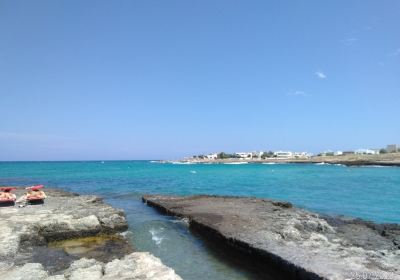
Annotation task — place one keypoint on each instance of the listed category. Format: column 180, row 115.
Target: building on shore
column 302, row 155
column 338, row 153
column 393, row 148
column 257, row 154
column 244, row 155
column 283, row 154
column 212, row 156
column 366, row 152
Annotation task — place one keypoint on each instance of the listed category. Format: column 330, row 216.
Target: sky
column 147, row 79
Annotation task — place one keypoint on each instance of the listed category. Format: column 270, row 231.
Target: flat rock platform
column 71, row 237
column 286, row 242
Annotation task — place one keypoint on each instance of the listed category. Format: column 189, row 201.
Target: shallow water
column 367, row 192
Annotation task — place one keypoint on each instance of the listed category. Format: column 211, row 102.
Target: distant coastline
column 392, row 159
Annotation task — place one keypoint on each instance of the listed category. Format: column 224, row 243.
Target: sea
column 367, row 192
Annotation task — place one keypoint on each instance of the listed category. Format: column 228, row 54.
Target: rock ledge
column 27, row 235
column 286, row 242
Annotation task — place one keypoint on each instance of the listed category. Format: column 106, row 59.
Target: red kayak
column 7, row 190
column 35, row 198
column 35, row 188
column 5, row 200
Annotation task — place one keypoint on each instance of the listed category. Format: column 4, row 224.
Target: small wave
column 193, row 171
column 239, row 162
column 376, row 166
column 269, row 163
column 155, row 236
column 126, row 234
column 322, row 163
column 184, row 221
column 181, row 162
column 155, row 161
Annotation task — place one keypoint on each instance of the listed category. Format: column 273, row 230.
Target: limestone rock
column 26, row 234
column 30, row 271
column 287, row 242
column 139, row 266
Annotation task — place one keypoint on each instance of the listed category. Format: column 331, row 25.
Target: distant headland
column 389, row 156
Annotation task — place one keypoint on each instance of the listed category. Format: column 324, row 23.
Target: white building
column 245, row 155
column 257, row 154
column 283, row 154
column 302, row 155
column 338, row 153
column 212, row 156
column 366, row 152
column 392, row 148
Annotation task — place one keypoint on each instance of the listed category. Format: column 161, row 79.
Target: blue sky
column 164, row 79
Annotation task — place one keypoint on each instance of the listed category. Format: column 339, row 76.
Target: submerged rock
column 287, row 242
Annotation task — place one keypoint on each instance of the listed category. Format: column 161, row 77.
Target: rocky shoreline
column 286, row 242
column 347, row 160
column 71, row 237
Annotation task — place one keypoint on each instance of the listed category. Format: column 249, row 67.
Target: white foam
column 126, row 234
column 184, row 221
column 322, row 163
column 193, row 171
column 376, row 166
column 156, row 236
column 236, row 162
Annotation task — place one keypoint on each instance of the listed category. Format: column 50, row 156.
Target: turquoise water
column 371, row 193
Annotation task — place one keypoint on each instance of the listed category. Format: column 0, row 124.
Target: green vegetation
column 268, row 154
column 223, row 155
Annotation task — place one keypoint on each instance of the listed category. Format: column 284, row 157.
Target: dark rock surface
column 290, row 243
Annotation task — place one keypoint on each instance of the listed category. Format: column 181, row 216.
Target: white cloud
column 320, row 75
column 350, row 41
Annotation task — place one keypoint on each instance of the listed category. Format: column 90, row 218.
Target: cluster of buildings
column 261, row 154
column 393, row 148
column 300, row 155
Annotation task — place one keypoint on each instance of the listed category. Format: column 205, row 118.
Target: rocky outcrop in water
column 47, row 241
column 133, row 266
column 286, row 242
